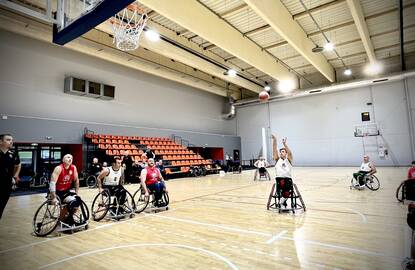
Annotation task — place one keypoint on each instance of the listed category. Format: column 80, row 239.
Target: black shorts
column 66, row 196
column 262, row 170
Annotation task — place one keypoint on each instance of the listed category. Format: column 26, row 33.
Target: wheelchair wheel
column 91, row 181
column 165, row 198
column 399, row 192
column 129, row 204
column 100, row 205
column 372, row 182
column 46, row 218
column 353, row 183
column 140, row 200
column 81, row 216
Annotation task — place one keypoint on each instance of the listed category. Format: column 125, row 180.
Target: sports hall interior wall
column 32, row 81
column 320, row 128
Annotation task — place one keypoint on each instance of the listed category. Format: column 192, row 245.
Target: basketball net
column 128, row 25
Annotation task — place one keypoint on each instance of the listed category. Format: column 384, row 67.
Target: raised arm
column 289, row 153
column 275, row 147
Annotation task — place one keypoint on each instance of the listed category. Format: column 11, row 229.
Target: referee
column 9, row 169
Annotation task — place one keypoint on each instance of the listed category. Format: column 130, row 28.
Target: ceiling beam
column 277, row 16
column 298, row 15
column 359, row 20
column 188, row 14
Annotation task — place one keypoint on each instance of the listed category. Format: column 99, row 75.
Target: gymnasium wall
column 32, row 81
column 320, row 127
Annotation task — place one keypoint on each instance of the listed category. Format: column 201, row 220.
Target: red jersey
column 411, row 173
column 153, row 175
column 66, row 177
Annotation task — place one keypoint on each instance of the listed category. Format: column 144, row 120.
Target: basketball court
column 209, row 87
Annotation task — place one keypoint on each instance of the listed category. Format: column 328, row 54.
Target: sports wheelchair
column 142, row 202
column 370, row 180
column 406, row 191
column 284, row 196
column 50, row 216
column 263, row 174
column 105, row 203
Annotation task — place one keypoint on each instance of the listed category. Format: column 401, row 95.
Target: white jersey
column 283, row 168
column 113, row 177
column 261, row 163
column 365, row 167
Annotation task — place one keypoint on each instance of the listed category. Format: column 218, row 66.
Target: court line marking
column 277, row 236
column 333, row 246
column 364, row 219
column 213, row 254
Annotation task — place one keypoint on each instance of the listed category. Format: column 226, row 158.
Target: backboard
column 366, row 130
column 76, row 17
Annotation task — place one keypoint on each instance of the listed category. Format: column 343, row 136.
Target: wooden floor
column 222, row 223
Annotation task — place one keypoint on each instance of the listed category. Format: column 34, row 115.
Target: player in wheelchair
column 113, row 199
column 261, row 165
column 152, row 186
column 406, row 190
column 365, row 176
column 63, row 206
column 284, row 190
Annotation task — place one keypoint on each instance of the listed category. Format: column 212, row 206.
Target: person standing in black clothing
column 96, row 167
column 128, row 166
column 9, row 169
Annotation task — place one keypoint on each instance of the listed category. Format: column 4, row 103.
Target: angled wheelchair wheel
column 129, row 204
column 81, row 215
column 91, row 181
column 399, row 192
column 100, row 205
column 353, row 183
column 372, row 182
column 140, row 200
column 46, row 218
column 165, row 198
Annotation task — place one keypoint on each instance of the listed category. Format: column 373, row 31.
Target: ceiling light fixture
column 328, row 47
column 152, row 35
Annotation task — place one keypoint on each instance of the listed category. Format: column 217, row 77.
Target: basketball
column 264, row 96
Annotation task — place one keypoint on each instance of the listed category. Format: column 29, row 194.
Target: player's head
column 283, row 153
column 6, row 141
column 126, row 153
column 116, row 162
column 67, row 159
column 366, row 158
column 95, row 160
column 413, row 163
column 150, row 162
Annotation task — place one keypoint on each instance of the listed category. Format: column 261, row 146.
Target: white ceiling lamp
column 328, row 47
column 152, row 35
column 286, row 86
column 231, row 73
column 373, row 68
column 347, row 72
column 267, row 87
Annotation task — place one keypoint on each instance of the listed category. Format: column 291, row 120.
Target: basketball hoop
column 128, row 25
